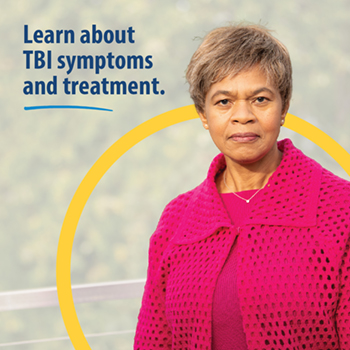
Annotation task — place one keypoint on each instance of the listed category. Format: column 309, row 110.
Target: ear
column 204, row 120
column 284, row 113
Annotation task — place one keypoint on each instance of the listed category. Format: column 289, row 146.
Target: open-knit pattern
column 293, row 263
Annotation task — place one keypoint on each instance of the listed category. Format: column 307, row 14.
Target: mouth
column 244, row 137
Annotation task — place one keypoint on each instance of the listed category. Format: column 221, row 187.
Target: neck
column 243, row 177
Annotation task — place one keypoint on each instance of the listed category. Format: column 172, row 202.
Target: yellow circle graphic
column 108, row 158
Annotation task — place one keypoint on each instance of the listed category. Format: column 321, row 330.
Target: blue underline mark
column 67, row 107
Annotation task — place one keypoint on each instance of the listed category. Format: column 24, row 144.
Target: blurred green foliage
column 45, row 154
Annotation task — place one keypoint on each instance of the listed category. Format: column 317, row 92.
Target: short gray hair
column 227, row 51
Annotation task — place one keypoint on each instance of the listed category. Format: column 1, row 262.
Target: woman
column 257, row 256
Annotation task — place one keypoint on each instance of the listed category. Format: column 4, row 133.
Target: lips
column 244, row 137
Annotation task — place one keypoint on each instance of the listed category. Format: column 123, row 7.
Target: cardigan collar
column 288, row 199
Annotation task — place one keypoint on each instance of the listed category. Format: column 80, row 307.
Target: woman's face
column 243, row 115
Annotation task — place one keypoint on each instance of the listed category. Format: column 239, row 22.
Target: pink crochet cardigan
column 293, row 263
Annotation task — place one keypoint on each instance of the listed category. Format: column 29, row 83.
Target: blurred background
column 46, row 153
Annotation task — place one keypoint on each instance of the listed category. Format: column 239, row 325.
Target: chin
column 247, row 157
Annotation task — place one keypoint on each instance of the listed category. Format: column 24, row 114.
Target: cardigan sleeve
column 153, row 331
column 343, row 310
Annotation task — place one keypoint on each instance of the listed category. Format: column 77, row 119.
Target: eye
column 223, row 102
column 261, row 99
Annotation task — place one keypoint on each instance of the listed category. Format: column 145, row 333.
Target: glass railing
column 94, row 294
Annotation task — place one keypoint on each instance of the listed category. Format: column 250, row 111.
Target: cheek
column 217, row 136
column 216, row 130
column 273, row 124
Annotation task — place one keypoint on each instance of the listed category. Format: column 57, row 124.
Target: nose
column 242, row 113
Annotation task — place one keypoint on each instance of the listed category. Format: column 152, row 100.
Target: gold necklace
column 246, row 200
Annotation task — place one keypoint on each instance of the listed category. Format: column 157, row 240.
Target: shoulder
column 334, row 210
column 179, row 208
column 328, row 178
column 175, row 210
column 334, row 189
column 171, row 217
column 310, row 171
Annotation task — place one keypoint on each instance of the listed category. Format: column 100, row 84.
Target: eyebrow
column 255, row 92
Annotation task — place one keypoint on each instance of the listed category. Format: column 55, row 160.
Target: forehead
column 245, row 82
